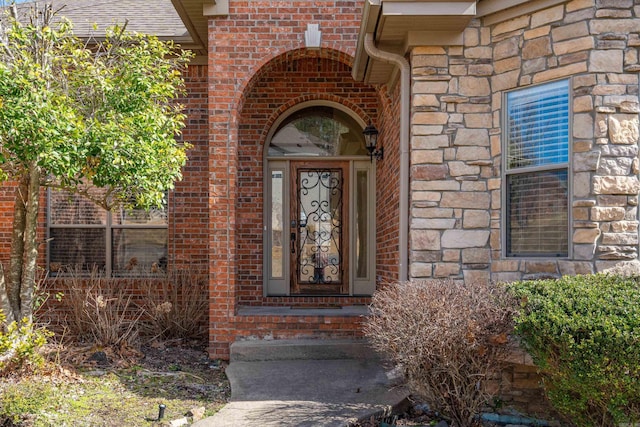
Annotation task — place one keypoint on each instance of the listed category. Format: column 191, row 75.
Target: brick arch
column 286, row 80
column 287, row 56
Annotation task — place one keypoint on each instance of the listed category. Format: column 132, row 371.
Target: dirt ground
column 88, row 386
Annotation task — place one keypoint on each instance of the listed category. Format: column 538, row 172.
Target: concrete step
column 301, row 349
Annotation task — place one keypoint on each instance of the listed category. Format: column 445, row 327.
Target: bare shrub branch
column 449, row 338
column 176, row 305
column 100, row 309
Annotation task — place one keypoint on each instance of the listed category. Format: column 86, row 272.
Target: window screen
column 122, row 242
column 536, row 172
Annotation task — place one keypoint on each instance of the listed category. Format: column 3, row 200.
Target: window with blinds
column 536, row 171
column 120, row 243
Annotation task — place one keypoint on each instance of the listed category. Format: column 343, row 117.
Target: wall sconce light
column 312, row 36
column 371, row 141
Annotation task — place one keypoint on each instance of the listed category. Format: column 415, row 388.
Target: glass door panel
column 319, row 228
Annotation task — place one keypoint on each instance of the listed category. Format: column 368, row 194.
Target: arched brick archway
column 299, row 76
column 291, row 78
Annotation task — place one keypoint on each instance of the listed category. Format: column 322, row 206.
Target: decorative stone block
column 536, row 48
column 419, row 269
column 430, row 118
column 620, row 238
column 476, row 276
column 429, row 142
column 426, row 130
column 462, row 169
column 602, row 61
column 429, row 172
column 433, row 212
column 564, row 32
column 615, row 166
column 583, row 162
column 504, row 81
column 616, row 185
column 619, row 150
column 617, row 252
column 623, row 129
column 472, row 153
column 478, row 120
column 433, row 223
column 607, row 213
column 506, row 48
column 556, row 73
column 474, row 137
column 427, row 101
column 574, row 45
column 582, row 184
column 540, row 267
column 476, row 256
column 584, row 252
column 446, row 269
column 582, row 126
column 624, row 226
column 425, row 240
column 426, row 156
column 474, row 86
column 460, row 239
column 574, row 267
column 442, row 185
column 619, row 26
column 469, row 200
column 586, row 235
column 475, row 219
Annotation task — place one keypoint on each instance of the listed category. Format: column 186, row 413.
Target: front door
column 319, row 232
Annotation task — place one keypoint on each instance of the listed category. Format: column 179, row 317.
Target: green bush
column 583, row 333
column 20, row 345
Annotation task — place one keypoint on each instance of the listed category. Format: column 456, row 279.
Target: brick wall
column 189, row 209
column 387, row 185
column 258, row 69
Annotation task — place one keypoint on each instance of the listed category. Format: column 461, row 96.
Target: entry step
column 301, row 349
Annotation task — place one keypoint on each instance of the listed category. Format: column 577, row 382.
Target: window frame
column 550, row 167
column 108, row 227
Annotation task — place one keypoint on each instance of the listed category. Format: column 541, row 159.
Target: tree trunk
column 5, row 306
column 16, row 259
column 30, row 265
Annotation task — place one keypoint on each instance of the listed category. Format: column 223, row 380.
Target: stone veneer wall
column 457, row 139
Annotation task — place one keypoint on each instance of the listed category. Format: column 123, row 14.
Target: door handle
column 293, row 243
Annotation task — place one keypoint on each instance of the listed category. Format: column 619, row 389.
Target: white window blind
column 536, row 172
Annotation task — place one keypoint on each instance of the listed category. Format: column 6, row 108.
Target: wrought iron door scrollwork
column 320, row 202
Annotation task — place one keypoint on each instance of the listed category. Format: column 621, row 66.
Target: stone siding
column 456, row 140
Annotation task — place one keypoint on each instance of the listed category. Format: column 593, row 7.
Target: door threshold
column 346, row 311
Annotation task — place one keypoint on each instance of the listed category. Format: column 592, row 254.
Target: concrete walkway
column 304, row 383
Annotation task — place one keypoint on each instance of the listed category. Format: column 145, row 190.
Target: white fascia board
column 435, row 8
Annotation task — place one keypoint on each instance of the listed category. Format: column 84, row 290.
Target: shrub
column 101, row 310
column 115, row 311
column 583, row 333
column 449, row 337
column 20, row 345
column 176, row 305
